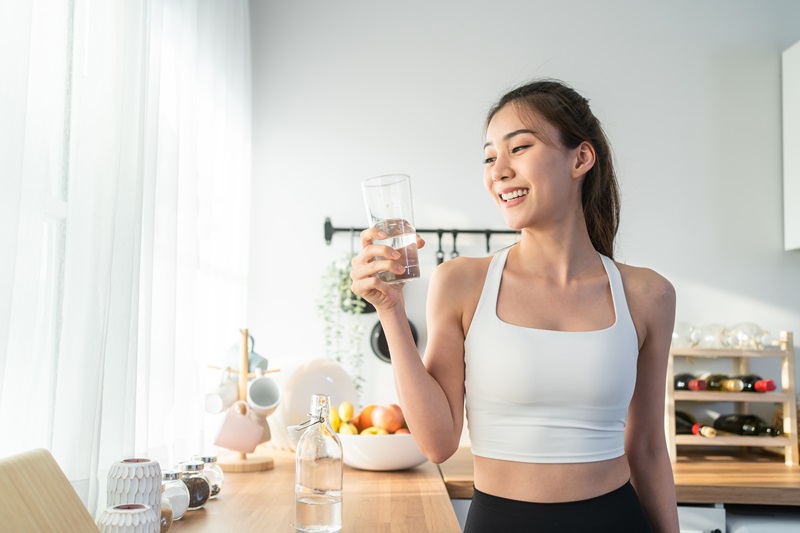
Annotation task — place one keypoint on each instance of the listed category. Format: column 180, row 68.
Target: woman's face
column 528, row 171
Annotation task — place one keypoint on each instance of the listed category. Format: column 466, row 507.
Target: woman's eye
column 517, row 149
column 489, row 160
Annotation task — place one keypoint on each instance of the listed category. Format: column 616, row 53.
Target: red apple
column 402, row 431
column 388, row 417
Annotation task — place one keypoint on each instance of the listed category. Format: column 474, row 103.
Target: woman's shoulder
column 462, row 271
column 646, row 289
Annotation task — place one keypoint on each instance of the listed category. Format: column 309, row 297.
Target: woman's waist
column 549, row 482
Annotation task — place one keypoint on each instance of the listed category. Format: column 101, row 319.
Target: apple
column 388, row 417
column 364, row 418
column 402, row 431
column 372, row 430
column 348, row 429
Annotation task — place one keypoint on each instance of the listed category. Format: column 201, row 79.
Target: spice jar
column 213, row 472
column 166, row 512
column 196, row 481
column 176, row 492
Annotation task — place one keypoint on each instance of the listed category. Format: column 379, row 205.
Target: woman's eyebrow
column 507, row 136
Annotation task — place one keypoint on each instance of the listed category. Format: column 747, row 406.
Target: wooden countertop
column 700, row 477
column 408, row 501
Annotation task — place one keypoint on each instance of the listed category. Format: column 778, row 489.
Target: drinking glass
column 388, row 201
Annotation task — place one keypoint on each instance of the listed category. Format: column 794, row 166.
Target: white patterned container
column 135, row 481
column 129, row 518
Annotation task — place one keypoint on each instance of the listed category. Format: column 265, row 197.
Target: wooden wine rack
column 741, row 358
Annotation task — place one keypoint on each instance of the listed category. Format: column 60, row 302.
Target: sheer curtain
column 124, row 211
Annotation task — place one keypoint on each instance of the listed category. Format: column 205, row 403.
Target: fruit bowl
column 381, row 452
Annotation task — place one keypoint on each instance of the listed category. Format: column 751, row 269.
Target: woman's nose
column 501, row 169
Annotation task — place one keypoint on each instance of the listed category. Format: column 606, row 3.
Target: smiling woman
column 556, row 352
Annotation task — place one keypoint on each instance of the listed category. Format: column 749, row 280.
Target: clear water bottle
column 318, row 474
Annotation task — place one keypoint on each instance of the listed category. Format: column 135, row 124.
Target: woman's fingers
column 420, row 241
column 371, row 234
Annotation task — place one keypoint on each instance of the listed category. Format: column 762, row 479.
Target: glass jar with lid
column 213, row 472
column 196, row 481
column 167, row 516
column 176, row 492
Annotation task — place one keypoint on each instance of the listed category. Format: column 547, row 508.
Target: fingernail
column 381, row 235
column 396, row 254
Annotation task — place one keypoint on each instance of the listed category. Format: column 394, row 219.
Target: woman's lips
column 512, row 197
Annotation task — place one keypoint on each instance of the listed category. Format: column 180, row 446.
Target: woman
column 559, row 352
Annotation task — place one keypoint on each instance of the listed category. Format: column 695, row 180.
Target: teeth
column 514, row 194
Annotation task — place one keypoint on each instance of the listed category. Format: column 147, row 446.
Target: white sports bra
column 545, row 396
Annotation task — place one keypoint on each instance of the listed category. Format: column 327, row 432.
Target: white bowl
column 297, row 384
column 381, row 452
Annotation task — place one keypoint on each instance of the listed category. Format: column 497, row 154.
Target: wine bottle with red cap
column 755, row 383
column 687, row 381
column 685, row 424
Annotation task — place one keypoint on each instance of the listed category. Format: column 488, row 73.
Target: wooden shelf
column 784, row 351
column 716, row 396
column 732, row 440
column 770, row 351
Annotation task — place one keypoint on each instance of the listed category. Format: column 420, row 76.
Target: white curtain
column 124, row 215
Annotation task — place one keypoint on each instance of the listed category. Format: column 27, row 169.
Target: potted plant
column 341, row 313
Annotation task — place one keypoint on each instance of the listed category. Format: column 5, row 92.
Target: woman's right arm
column 431, row 393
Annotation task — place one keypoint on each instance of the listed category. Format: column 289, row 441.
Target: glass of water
column 388, row 201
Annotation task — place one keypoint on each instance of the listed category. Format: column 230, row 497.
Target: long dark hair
column 569, row 113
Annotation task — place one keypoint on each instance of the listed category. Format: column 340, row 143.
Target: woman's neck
column 560, row 255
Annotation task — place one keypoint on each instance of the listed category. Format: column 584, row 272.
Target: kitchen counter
column 408, row 501
column 700, row 477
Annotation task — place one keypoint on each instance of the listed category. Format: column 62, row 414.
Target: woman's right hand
column 372, row 259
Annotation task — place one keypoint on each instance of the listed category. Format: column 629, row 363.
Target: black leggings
column 618, row 511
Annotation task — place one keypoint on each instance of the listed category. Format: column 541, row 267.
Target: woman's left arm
column 652, row 303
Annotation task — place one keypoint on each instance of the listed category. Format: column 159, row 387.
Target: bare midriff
column 550, row 482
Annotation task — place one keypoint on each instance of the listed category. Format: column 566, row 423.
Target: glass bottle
column 746, row 336
column 196, row 481
column 176, row 491
column 745, row 425
column 721, row 382
column 685, row 424
column 213, row 472
column 754, row 383
column 318, row 473
column 686, row 381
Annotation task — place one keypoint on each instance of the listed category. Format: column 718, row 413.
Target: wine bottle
column 689, row 382
column 754, row 383
column 745, row 425
column 721, row 382
column 685, row 424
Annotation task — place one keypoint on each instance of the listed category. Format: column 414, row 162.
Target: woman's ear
column 584, row 159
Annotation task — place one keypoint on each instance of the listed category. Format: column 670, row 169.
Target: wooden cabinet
column 783, row 354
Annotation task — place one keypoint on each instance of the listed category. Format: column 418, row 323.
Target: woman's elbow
column 439, row 452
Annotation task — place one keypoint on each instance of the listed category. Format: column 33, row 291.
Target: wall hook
column 440, row 252
column 454, row 253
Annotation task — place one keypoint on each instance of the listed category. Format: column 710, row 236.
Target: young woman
column 559, row 352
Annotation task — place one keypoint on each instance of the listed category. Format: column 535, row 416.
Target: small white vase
column 135, row 481
column 129, row 518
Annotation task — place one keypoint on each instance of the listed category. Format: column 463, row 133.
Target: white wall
column 689, row 93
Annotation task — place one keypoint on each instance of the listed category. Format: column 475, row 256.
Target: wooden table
column 410, row 501
column 700, row 477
